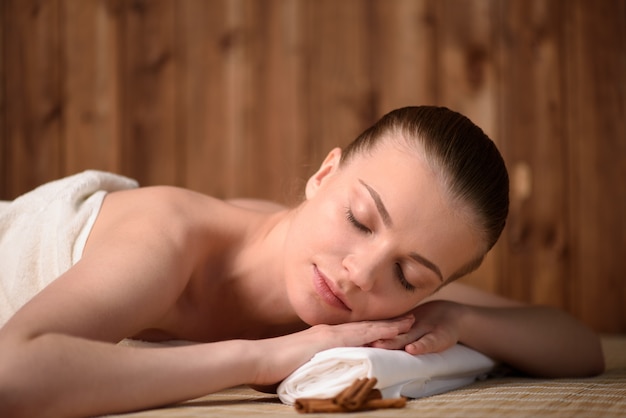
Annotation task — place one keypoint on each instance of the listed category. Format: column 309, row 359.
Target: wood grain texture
column 532, row 119
column 596, row 84
column 92, row 86
column 4, row 172
column 339, row 87
column 33, row 102
column 203, row 43
column 149, row 64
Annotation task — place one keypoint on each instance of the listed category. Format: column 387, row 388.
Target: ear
column 328, row 167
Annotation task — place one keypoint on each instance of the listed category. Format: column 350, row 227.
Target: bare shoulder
column 463, row 293
column 159, row 201
column 138, row 260
column 161, row 211
column 257, row 205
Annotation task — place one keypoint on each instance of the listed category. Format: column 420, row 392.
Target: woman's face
column 373, row 238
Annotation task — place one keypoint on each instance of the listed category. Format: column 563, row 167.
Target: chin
column 321, row 317
column 312, row 311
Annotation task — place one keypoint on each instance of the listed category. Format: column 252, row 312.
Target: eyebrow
column 428, row 264
column 382, row 210
column 384, row 214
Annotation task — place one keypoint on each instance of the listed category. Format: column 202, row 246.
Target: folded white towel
column 398, row 372
column 43, row 233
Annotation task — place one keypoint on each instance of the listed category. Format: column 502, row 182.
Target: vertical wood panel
column 277, row 149
column 341, row 101
column 150, row 148
column 402, row 54
column 596, row 117
column 238, row 100
column 91, row 123
column 251, row 159
column 4, row 172
column 467, row 82
column 33, row 98
column 536, row 147
column 467, row 61
column 203, row 44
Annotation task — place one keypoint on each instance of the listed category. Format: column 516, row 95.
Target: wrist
column 253, row 359
column 464, row 319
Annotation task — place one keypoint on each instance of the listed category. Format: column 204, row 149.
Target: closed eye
column 358, row 225
column 402, row 279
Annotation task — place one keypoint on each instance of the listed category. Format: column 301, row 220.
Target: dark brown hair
column 468, row 162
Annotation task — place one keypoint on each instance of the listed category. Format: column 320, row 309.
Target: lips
column 324, row 289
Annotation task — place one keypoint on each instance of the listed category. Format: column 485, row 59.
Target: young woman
column 368, row 258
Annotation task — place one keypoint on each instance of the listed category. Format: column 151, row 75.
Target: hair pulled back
column 468, row 162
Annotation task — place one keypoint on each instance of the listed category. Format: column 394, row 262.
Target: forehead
column 425, row 218
column 392, row 158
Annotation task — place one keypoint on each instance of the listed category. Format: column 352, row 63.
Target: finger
column 389, row 344
column 428, row 343
column 401, row 340
column 406, row 322
column 361, row 333
column 392, row 328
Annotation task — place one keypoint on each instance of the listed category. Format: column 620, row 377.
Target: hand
column 436, row 328
column 280, row 356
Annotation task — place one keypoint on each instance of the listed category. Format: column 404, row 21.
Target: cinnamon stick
column 359, row 396
column 311, row 405
column 385, row 403
column 308, row 405
column 355, row 398
column 349, row 392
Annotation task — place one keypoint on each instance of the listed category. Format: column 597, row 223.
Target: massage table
column 508, row 396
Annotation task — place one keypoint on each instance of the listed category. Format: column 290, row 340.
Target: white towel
column 398, row 372
column 43, row 233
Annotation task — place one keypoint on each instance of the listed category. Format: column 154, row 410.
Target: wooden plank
column 3, row 139
column 203, row 42
column 596, row 118
column 237, row 84
column 536, row 262
column 33, row 96
column 150, row 149
column 91, row 71
column 467, row 61
column 259, row 67
column 341, row 102
column 402, row 54
column 276, row 144
column 245, row 19
column 466, row 65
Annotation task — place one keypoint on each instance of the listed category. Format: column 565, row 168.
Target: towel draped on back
column 43, row 233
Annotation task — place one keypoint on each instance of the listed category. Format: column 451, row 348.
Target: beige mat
column 511, row 397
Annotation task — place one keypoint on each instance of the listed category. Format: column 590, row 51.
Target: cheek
column 325, row 226
column 312, row 236
column 389, row 302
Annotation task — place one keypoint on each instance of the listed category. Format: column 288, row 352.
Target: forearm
column 539, row 341
column 66, row 376
column 61, row 375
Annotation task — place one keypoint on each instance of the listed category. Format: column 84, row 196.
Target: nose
column 361, row 270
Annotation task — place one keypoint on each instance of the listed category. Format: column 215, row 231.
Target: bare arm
column 536, row 340
column 63, row 375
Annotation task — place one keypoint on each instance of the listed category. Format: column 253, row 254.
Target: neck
column 258, row 274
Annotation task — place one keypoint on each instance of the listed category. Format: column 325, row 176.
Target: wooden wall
column 245, row 97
